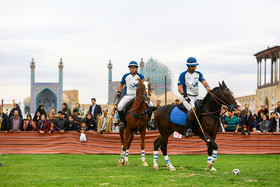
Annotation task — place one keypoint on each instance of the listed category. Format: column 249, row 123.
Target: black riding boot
column 188, row 129
column 121, row 115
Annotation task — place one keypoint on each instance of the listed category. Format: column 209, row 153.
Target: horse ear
column 224, row 84
column 221, row 85
column 148, row 79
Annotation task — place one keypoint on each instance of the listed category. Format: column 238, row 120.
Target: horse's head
column 227, row 96
column 144, row 89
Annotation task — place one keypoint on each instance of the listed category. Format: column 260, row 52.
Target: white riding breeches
column 193, row 100
column 126, row 99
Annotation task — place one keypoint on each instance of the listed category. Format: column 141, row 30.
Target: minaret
column 32, row 81
column 141, row 66
column 60, row 66
column 110, row 67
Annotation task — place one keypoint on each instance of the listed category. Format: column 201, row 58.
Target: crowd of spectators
column 43, row 122
column 246, row 122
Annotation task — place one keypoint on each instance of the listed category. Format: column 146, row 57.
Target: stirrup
column 189, row 133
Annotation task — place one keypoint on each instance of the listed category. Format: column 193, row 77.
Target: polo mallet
column 199, row 123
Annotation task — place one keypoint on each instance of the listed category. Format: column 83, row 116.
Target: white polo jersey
column 190, row 81
column 130, row 83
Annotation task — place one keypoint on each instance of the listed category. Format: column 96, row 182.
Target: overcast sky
column 222, row 35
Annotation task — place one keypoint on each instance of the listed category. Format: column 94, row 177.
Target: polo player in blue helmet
column 188, row 88
column 130, row 80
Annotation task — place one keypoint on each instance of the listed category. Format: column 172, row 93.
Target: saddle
column 127, row 107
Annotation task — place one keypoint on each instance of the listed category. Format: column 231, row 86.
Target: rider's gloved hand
column 119, row 94
column 186, row 97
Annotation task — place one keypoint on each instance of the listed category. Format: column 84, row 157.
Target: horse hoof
column 213, row 169
column 145, row 164
column 172, row 168
column 126, row 163
column 155, row 167
column 210, row 165
column 120, row 164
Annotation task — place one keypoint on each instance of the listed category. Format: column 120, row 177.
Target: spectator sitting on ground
column 60, row 123
column 43, row 125
column 16, row 122
column 66, row 110
column 76, row 118
column 277, row 109
column 158, row 103
column 90, row 122
column 83, row 127
column 245, row 130
column 52, row 127
column 265, row 125
column 71, row 124
column 231, row 123
column 177, row 101
column 4, row 121
column 16, row 107
column 246, row 109
column 249, row 121
column 28, row 124
column 105, row 122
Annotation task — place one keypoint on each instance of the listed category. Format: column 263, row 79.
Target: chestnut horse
column 209, row 120
column 136, row 121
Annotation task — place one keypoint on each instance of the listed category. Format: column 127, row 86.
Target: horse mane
column 208, row 95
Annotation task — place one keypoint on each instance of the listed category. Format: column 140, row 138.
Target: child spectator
column 52, row 127
column 28, row 124
column 245, row 130
column 43, row 125
column 265, row 125
column 71, row 124
column 83, row 127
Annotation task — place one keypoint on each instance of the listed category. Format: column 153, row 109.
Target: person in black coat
column 90, row 122
column 71, row 125
column 41, row 110
column 249, row 121
column 95, row 109
column 4, row 120
column 16, row 107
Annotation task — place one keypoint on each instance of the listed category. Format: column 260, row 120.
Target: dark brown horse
column 136, row 121
column 209, row 119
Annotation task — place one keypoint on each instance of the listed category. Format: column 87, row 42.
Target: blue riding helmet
column 192, row 62
column 133, row 63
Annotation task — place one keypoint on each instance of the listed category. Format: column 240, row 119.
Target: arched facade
column 47, row 98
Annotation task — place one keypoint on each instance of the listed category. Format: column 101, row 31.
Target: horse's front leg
column 127, row 142
column 143, row 133
column 212, row 154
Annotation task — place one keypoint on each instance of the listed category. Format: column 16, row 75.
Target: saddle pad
column 178, row 117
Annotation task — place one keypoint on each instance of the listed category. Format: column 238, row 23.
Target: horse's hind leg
column 163, row 148
column 157, row 143
column 143, row 133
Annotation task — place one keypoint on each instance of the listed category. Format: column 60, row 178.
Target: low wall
column 69, row 143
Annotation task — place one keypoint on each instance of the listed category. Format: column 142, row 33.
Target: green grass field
column 102, row 170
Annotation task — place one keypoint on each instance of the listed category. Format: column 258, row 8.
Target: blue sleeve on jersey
column 123, row 79
column 181, row 80
column 141, row 76
column 201, row 77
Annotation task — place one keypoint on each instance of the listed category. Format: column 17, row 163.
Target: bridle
column 143, row 95
column 220, row 102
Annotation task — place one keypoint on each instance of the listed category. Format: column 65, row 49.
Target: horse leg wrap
column 126, row 155
column 156, row 157
column 122, row 156
column 214, row 155
column 167, row 161
column 143, row 156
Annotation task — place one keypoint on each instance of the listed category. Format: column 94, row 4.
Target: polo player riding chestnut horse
column 137, row 114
